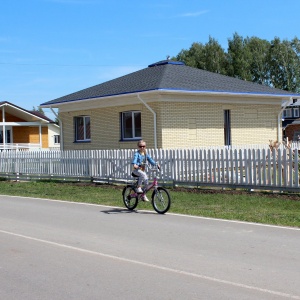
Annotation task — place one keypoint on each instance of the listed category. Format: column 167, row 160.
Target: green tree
column 275, row 63
column 39, row 109
column 259, row 50
column 239, row 58
column 284, row 64
column 215, row 57
column 210, row 57
column 193, row 57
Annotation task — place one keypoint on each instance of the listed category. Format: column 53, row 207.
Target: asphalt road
column 61, row 250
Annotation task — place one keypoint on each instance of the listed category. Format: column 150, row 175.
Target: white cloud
column 193, row 14
column 74, row 1
column 4, row 39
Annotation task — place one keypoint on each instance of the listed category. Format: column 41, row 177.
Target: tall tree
column 259, row 50
column 215, row 57
column 210, row 57
column 275, row 63
column 193, row 57
column 239, row 58
column 284, row 64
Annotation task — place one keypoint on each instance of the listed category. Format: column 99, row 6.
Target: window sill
column 131, row 140
column 81, row 142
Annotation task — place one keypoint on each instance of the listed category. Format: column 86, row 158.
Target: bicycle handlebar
column 154, row 168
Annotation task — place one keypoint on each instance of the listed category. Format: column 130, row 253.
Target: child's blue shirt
column 139, row 159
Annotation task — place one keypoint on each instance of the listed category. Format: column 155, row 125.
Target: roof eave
column 230, row 93
column 61, row 103
column 25, row 111
column 177, row 91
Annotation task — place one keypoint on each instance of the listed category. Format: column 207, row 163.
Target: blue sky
column 51, row 48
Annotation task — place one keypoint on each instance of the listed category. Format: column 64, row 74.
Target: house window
column 82, row 128
column 56, row 139
column 296, row 136
column 227, row 128
column 287, row 113
column 7, row 136
column 296, row 112
column 131, row 125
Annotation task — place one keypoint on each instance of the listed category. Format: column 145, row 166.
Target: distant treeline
column 273, row 63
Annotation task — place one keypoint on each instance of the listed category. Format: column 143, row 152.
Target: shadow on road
column 126, row 211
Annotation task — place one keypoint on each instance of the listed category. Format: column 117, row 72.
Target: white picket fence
column 244, row 168
column 20, row 146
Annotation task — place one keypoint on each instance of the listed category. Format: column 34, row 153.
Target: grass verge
column 267, row 208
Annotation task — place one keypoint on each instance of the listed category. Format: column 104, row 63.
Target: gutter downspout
column 60, row 128
column 3, row 127
column 154, row 119
column 40, row 136
column 279, row 118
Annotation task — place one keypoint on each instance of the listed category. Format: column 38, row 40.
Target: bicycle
column 160, row 199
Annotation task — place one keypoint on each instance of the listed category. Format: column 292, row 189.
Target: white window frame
column 56, row 139
column 8, row 134
column 134, row 133
column 296, row 112
column 86, row 120
column 287, row 113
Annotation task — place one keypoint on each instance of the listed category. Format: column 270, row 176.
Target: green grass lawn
column 267, row 208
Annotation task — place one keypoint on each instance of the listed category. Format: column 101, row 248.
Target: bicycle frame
column 154, row 185
column 160, row 198
column 150, row 186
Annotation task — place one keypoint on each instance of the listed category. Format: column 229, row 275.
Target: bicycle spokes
column 161, row 200
column 130, row 198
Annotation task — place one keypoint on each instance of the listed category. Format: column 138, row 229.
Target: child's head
column 141, row 145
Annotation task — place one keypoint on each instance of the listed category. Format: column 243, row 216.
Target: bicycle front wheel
column 130, row 198
column 161, row 200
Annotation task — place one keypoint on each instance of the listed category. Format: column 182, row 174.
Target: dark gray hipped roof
column 170, row 75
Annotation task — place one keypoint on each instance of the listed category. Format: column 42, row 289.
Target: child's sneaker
column 144, row 198
column 139, row 190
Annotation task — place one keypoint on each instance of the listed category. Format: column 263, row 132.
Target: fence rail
column 20, row 146
column 245, row 168
column 26, row 147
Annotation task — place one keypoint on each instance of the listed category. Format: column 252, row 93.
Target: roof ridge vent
column 167, row 62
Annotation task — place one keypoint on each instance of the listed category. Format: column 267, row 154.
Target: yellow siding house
column 171, row 105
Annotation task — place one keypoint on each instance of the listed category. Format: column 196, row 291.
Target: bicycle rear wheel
column 129, row 197
column 161, row 200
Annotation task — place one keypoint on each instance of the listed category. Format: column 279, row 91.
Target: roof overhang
column 22, row 113
column 296, row 122
column 131, row 98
